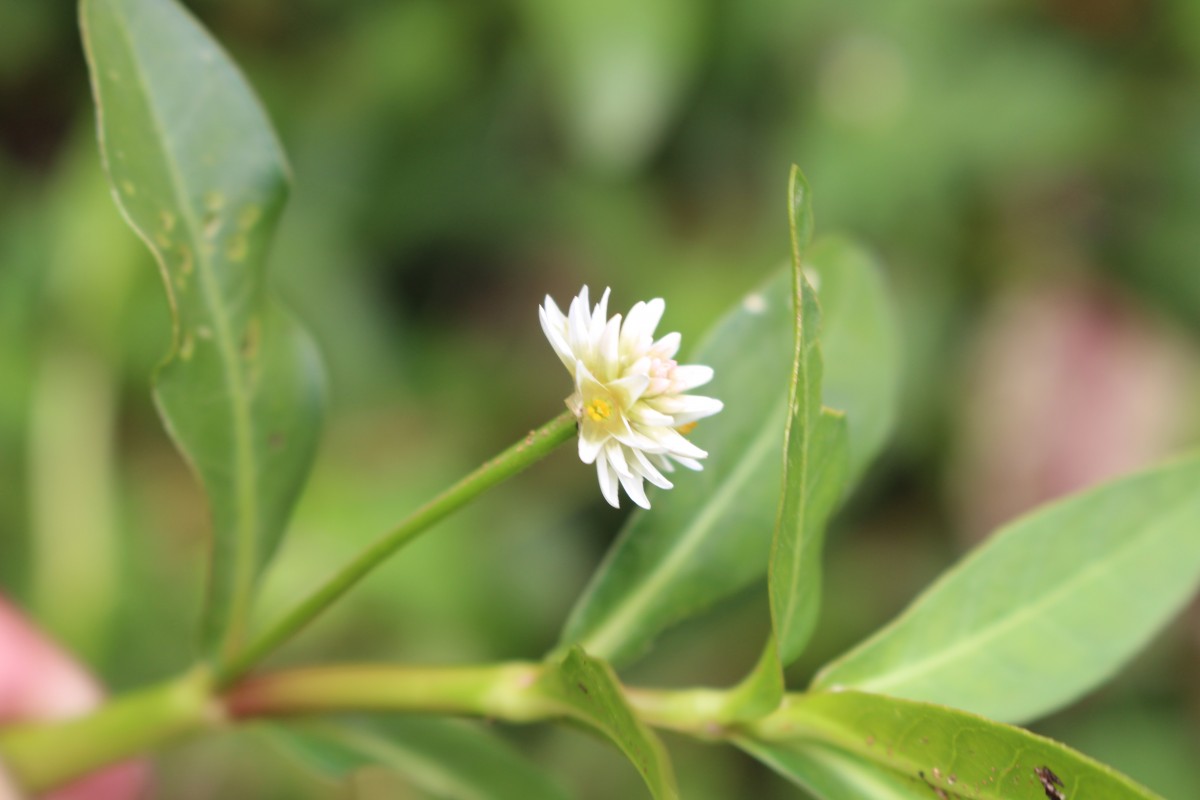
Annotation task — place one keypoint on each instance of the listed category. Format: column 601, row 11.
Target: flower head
column 629, row 393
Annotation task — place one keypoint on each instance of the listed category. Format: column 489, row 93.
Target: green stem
column 44, row 755
column 499, row 691
column 513, row 460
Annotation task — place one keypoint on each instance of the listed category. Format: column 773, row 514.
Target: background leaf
column 1048, row 608
column 447, row 758
column 589, row 694
column 860, row 345
column 619, row 71
column 960, row 754
column 710, row 536
column 198, row 173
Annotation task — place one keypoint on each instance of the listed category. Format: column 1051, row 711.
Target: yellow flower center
column 687, row 428
column 599, row 410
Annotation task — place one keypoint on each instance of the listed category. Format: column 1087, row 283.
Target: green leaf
column 710, row 536
column 954, row 753
column 1048, row 608
column 816, row 473
column 446, row 758
column 833, row 774
column 198, row 173
column 814, row 452
column 814, row 468
column 587, row 691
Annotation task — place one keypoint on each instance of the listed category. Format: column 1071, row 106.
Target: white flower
column 629, row 393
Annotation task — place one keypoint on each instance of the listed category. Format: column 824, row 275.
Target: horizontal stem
column 500, row 691
column 513, row 460
column 41, row 756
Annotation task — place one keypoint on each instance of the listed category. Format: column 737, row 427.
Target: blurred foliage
column 455, row 161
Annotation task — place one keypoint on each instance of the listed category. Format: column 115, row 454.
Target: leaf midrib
column 1092, row 573
column 244, row 463
column 802, row 353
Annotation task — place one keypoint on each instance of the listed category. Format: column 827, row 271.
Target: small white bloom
column 629, row 393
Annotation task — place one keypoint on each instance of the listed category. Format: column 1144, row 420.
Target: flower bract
column 630, row 395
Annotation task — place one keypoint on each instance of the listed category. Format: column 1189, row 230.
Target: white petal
column 676, row 445
column 608, row 481
column 578, row 325
column 640, row 324
column 689, row 376
column 694, row 407
column 667, row 346
column 639, row 440
column 553, row 332
column 664, row 463
column 584, row 379
column 644, row 468
column 615, row 453
column 635, row 489
column 608, row 351
column 628, row 390
column 599, row 318
column 591, row 442
column 557, row 317
column 643, row 413
column 690, row 463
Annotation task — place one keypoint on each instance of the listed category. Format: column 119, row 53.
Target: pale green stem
column 513, row 460
column 499, row 691
column 44, row 755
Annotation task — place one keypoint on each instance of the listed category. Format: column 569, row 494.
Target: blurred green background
column 1028, row 170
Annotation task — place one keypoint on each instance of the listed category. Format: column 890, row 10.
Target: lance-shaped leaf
column 815, row 453
column 196, row 170
column 447, row 758
column 1046, row 609
column 710, row 536
column 814, row 468
column 953, row 753
column 586, row 691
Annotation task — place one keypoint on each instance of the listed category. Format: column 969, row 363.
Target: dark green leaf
column 198, row 173
column 446, row 758
column 1048, row 608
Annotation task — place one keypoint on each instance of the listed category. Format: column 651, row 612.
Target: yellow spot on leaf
column 128, row 188
column 167, row 219
column 249, row 217
column 162, row 240
column 187, row 347
column 236, row 251
column 186, row 262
